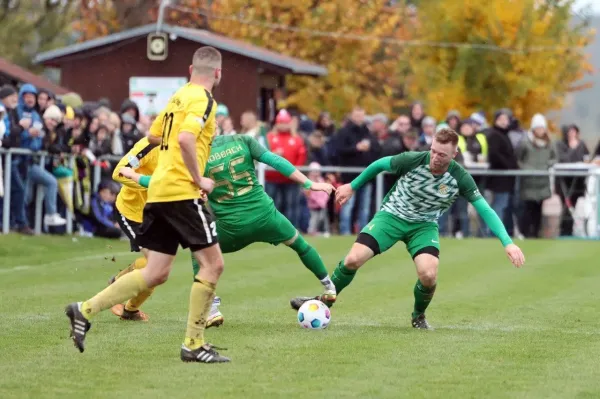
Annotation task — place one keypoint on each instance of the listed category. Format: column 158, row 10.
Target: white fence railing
column 558, row 170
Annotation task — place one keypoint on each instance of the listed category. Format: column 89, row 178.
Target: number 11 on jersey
column 167, row 125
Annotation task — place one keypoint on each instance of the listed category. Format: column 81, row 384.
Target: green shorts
column 274, row 229
column 388, row 229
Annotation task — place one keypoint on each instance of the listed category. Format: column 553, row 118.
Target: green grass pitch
column 500, row 332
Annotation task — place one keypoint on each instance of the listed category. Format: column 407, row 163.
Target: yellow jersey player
column 130, row 207
column 174, row 213
column 142, row 159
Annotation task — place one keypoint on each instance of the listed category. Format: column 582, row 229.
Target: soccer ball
column 314, row 314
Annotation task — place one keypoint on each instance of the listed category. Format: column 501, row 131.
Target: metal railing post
column 97, row 174
column 7, row 184
column 261, row 173
column 40, row 192
column 68, row 213
column 378, row 191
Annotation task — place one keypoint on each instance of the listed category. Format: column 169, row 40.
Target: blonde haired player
column 427, row 184
column 175, row 214
column 143, row 159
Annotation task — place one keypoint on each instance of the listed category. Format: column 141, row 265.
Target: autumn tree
column 525, row 55
column 96, row 18
column 339, row 34
column 31, row 26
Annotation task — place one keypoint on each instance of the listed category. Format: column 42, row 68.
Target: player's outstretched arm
column 130, row 174
column 284, row 167
column 491, row 219
column 119, row 177
column 345, row 192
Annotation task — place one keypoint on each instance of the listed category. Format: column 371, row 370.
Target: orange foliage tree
column 360, row 71
column 97, row 18
column 543, row 61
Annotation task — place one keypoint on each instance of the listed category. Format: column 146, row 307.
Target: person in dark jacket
column 417, row 113
column 129, row 132
column 325, row 124
column 12, row 138
column 45, row 98
column 570, row 150
column 356, row 147
column 501, row 156
column 131, row 108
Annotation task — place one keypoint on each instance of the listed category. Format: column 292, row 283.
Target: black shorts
column 131, row 230
column 167, row 225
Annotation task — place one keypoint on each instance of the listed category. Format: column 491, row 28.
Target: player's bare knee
column 427, row 269
column 428, row 277
column 353, row 260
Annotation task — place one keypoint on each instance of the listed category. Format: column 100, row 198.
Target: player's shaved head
column 206, row 60
column 206, row 66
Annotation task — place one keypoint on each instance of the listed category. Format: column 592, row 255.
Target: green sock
column 423, row 296
column 309, row 257
column 342, row 277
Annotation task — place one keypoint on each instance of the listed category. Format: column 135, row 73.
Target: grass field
column 500, row 332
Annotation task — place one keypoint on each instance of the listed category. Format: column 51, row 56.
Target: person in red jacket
column 286, row 143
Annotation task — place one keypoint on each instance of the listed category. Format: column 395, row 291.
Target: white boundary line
column 19, row 268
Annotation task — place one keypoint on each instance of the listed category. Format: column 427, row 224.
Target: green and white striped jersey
column 419, row 195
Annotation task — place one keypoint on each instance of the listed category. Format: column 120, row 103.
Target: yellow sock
column 201, row 299
column 126, row 287
column 139, row 263
column 135, row 303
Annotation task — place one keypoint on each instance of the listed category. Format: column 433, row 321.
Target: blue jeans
column 38, row 175
column 287, row 200
column 364, row 198
column 18, row 216
column 501, row 204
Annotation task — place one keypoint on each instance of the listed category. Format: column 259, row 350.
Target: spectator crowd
column 76, row 137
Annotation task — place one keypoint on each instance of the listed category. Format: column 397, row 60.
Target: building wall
column 105, row 72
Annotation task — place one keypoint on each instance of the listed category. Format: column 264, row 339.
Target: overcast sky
column 595, row 4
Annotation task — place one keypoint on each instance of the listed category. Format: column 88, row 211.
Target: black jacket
column 501, row 156
column 12, row 137
column 346, row 140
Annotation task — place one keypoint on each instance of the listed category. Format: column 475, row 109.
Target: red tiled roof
column 25, row 76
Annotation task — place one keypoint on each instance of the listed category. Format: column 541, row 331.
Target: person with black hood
column 571, row 149
column 453, row 120
column 131, row 108
column 501, row 156
column 356, row 147
column 129, row 132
